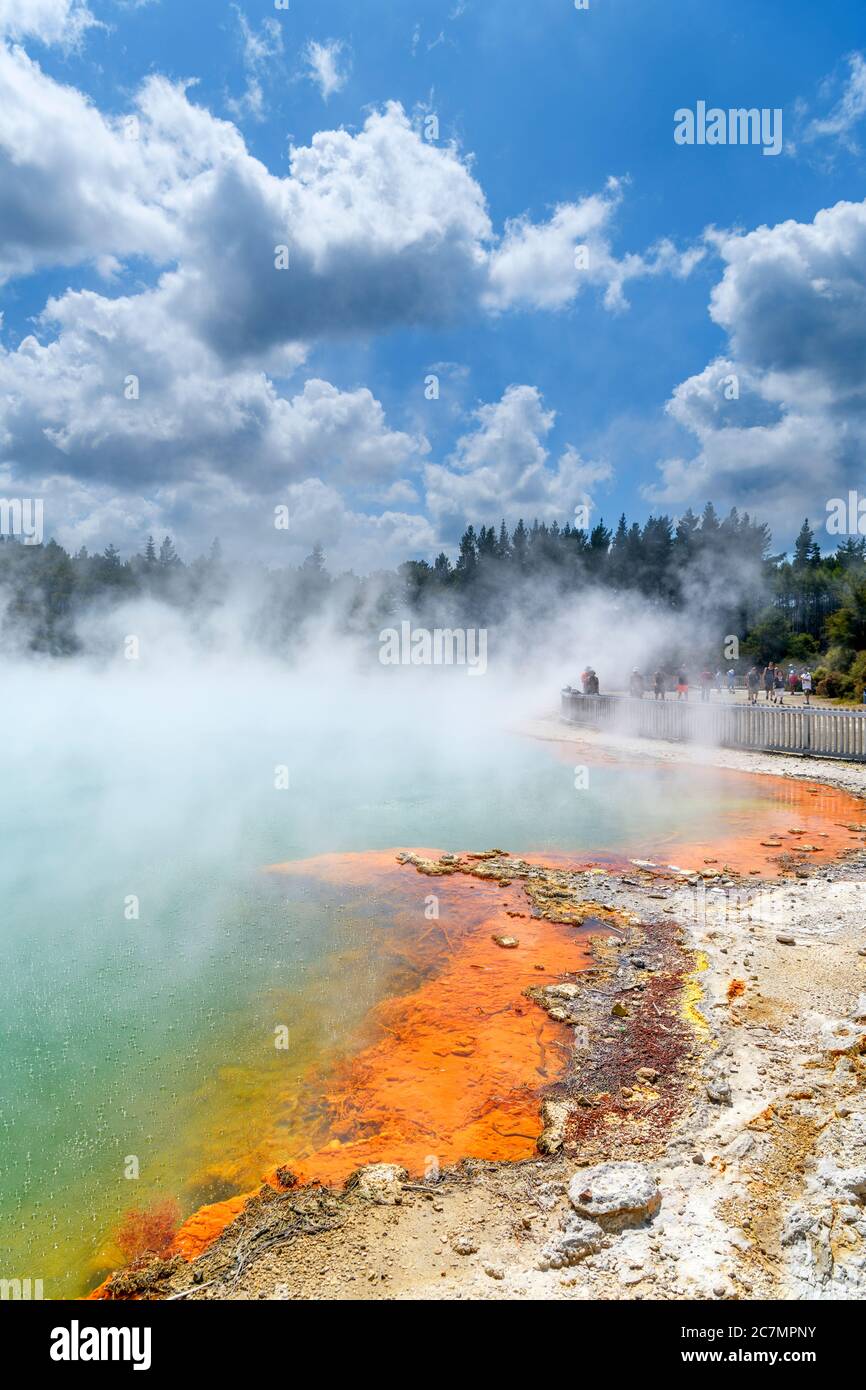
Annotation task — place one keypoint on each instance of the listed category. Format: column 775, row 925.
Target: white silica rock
column 615, row 1194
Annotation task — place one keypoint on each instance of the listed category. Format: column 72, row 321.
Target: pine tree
column 486, row 543
column 467, row 560
column 709, row 524
column 520, row 543
column 852, row 551
column 168, row 556
column 686, row 533
column 617, row 567
column 657, row 549
column 806, row 551
column 315, row 561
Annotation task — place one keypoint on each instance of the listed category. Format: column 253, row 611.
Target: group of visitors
column 776, row 683
column 662, row 681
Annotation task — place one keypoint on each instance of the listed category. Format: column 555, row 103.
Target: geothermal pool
column 151, row 962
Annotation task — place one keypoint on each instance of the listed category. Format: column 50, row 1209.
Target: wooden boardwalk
column 821, row 733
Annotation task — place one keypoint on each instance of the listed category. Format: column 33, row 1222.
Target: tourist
column 706, row 680
column 584, row 680
column 636, row 685
column 591, row 682
column 792, row 681
column 659, row 685
column 770, row 681
column 752, row 683
column 717, row 682
column 806, row 685
column 780, row 686
column 682, row 685
column 732, row 682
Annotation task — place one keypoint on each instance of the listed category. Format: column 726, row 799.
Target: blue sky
column 153, row 156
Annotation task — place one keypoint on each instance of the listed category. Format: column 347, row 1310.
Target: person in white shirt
column 806, row 683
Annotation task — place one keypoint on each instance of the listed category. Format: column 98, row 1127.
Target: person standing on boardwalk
column 732, row 682
column 752, row 682
column 706, row 679
column 806, row 683
column 659, row 685
column 636, row 685
column 769, row 681
column 780, row 686
column 682, row 685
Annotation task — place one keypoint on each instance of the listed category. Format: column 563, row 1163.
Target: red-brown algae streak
column 460, row 1062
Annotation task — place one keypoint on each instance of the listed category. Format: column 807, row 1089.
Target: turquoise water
column 149, row 1037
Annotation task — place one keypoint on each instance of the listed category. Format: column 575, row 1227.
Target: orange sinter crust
column 460, row 1061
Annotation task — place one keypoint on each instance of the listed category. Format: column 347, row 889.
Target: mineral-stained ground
column 702, row 1136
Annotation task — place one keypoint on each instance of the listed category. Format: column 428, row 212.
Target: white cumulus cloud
column 49, row 21
column 791, row 432
column 502, row 468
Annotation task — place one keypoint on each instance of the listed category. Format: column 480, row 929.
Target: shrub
column 803, row 647
column 148, row 1230
column 835, row 685
column 839, row 658
column 857, row 675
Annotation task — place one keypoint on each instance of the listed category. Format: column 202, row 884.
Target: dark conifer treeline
column 720, row 568
column 668, row 563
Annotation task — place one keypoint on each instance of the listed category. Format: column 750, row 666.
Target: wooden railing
column 823, row 733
